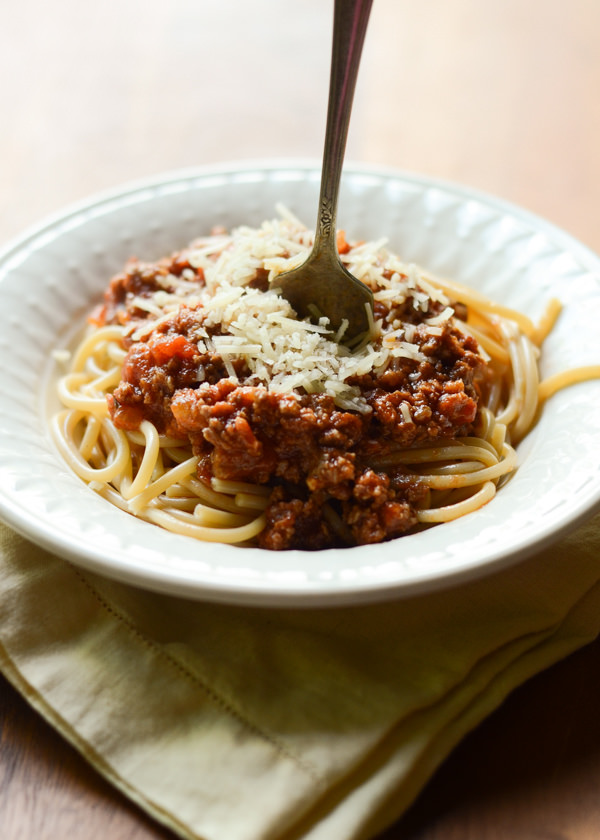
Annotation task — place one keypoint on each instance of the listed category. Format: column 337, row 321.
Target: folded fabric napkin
column 231, row 723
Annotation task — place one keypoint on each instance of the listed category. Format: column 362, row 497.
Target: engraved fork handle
column 349, row 29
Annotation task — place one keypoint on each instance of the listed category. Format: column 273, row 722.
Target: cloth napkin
column 232, row 723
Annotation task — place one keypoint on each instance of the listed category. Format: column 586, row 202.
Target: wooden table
column 502, row 95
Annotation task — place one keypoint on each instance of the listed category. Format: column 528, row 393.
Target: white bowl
column 52, row 276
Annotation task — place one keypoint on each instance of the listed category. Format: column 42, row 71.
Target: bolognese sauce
column 318, row 458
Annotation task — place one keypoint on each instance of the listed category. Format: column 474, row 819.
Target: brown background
column 501, row 95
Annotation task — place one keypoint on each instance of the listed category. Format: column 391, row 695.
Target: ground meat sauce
column 304, row 446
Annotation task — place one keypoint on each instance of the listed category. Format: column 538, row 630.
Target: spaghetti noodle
column 197, row 401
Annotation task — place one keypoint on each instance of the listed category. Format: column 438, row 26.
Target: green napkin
column 232, row 723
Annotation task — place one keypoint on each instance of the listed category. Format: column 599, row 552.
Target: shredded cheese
column 241, row 318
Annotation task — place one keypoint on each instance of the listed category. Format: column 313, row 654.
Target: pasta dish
column 197, row 401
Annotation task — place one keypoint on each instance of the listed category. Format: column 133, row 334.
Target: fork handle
column 349, row 29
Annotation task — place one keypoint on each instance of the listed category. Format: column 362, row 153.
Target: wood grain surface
column 501, row 95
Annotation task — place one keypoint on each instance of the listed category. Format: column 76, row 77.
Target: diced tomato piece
column 166, row 347
column 341, row 243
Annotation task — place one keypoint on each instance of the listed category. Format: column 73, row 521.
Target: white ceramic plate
column 51, row 277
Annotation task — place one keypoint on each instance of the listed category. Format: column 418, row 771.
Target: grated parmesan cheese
column 444, row 316
column 239, row 321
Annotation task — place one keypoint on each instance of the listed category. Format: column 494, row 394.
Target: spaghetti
column 197, row 401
